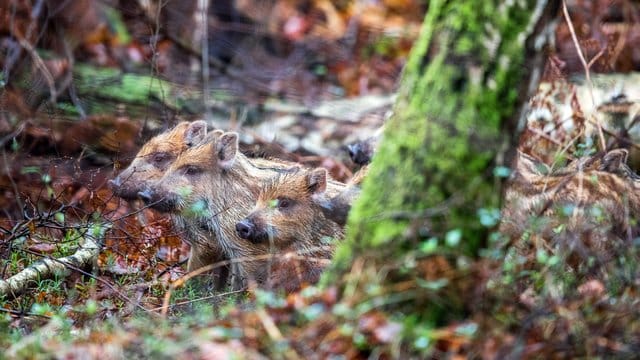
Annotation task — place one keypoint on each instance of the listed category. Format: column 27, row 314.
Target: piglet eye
column 159, row 157
column 192, row 170
column 284, row 203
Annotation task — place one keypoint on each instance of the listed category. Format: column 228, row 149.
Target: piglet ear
column 227, row 149
column 614, row 160
column 195, row 132
column 317, row 181
column 214, row 135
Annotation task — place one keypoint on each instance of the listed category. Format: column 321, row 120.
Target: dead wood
column 85, row 255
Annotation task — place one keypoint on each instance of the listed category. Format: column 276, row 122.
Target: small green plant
column 382, row 46
column 587, row 148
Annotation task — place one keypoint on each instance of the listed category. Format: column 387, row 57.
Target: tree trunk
column 456, row 115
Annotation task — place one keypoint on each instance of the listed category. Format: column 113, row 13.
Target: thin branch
column 23, row 313
column 180, row 282
column 203, row 9
column 186, row 302
column 274, row 333
column 295, row 256
column 39, row 63
column 586, row 66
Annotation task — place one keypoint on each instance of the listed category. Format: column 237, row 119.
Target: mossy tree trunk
column 465, row 82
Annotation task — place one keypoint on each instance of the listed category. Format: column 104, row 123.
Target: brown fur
column 288, row 219
column 337, row 208
column 154, row 158
column 215, row 186
column 149, row 166
column 589, row 207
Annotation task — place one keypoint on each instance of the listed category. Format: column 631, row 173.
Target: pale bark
column 85, row 255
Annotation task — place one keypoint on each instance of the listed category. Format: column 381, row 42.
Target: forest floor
column 300, row 84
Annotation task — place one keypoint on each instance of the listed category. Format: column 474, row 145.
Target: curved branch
column 85, row 255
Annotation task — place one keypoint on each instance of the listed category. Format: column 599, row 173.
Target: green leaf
column 501, row 171
column 541, row 256
column 467, row 329
column 453, row 237
column 59, row 217
column 430, row 246
column 489, row 217
column 421, row 342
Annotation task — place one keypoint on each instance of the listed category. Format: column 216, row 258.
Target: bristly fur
column 213, row 186
column 337, row 208
column 150, row 164
column 300, row 228
column 589, row 208
column 146, row 167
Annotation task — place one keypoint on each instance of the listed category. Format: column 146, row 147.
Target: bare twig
column 565, row 149
column 186, row 302
column 203, row 9
column 180, row 282
column 14, row 186
column 40, row 65
column 274, row 333
column 176, row 284
column 586, row 66
column 23, row 313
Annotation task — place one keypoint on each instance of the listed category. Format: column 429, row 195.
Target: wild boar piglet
column 589, row 208
column 214, row 186
column 288, row 219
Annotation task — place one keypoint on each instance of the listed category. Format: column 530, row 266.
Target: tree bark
column 457, row 112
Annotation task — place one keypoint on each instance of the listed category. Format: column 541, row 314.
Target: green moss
column 112, row 84
column 118, row 26
column 459, row 87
